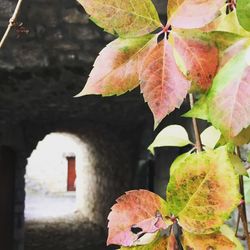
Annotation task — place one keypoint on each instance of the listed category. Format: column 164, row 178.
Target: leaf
column 177, row 162
column 181, row 12
column 207, row 241
column 229, row 97
column 162, row 243
column 163, row 85
column 238, row 165
column 204, row 191
column 136, row 213
column 200, row 55
column 125, row 18
column 230, row 234
column 243, row 13
column 228, row 23
column 233, row 50
column 199, row 110
column 210, row 137
column 173, row 135
column 116, row 70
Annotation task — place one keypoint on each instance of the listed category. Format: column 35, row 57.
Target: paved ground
column 40, row 207
column 53, row 224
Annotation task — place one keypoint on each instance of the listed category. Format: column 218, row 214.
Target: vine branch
column 198, row 143
column 242, row 208
column 11, row 22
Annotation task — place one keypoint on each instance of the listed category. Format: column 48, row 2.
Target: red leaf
column 163, row 85
column 139, row 210
column 200, row 57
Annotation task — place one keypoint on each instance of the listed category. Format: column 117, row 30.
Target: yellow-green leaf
column 210, row 137
column 173, row 135
column 230, row 234
column 209, row 241
column 199, row 110
column 204, row 191
column 238, row 165
column 125, row 18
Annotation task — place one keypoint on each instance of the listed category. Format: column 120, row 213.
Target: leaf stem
column 242, row 206
column 11, row 23
column 198, row 143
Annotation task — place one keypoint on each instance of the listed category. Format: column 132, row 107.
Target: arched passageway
column 59, row 195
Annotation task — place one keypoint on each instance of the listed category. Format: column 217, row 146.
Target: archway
column 59, row 188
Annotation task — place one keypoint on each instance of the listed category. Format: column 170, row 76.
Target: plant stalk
column 198, row 143
column 242, row 207
column 11, row 22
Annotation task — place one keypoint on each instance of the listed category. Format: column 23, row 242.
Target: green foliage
column 243, row 13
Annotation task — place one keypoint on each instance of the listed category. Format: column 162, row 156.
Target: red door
column 71, row 173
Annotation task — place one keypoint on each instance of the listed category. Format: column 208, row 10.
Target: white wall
column 46, row 172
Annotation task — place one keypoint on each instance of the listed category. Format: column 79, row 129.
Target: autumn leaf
column 229, row 97
column 191, row 14
column 195, row 192
column 200, row 56
column 135, row 214
column 227, row 23
column 125, row 18
column 161, row 243
column 116, row 70
column 243, row 10
column 233, row 50
column 207, row 241
column 163, row 85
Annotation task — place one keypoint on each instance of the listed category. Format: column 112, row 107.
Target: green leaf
column 210, row 137
column 211, row 241
column 229, row 97
column 204, row 191
column 199, row 110
column 173, row 136
column 248, row 157
column 238, row 165
column 247, row 188
column 136, row 209
column 243, row 13
column 125, row 18
column 116, row 70
column 227, row 23
column 230, row 234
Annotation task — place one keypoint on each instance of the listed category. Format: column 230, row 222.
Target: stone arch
column 46, row 178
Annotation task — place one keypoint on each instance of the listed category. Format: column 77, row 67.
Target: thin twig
column 195, row 126
column 11, row 22
column 242, row 207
